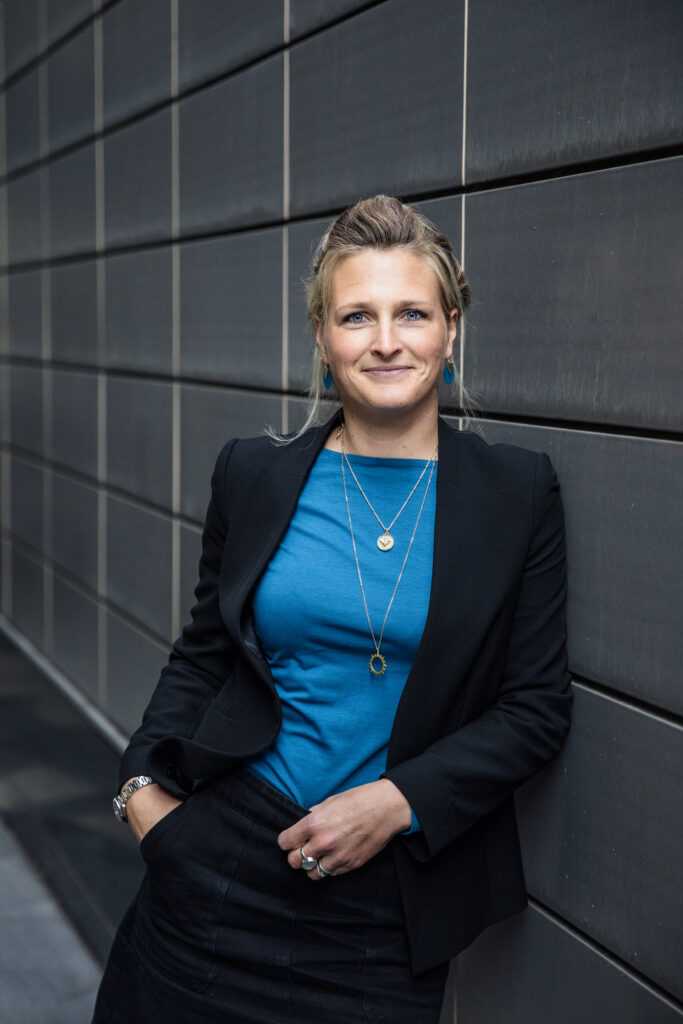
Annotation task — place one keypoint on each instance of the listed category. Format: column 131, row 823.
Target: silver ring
column 322, row 872
column 307, row 863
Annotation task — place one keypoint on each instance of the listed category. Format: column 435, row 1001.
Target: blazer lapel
column 449, row 599
column 262, row 514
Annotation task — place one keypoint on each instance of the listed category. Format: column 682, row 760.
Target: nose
column 385, row 338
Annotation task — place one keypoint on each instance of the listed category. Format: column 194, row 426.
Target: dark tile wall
column 231, row 151
column 555, row 84
column 376, row 104
column 215, row 38
column 71, row 90
column 165, row 171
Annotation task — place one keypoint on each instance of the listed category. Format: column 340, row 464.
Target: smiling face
column 386, row 335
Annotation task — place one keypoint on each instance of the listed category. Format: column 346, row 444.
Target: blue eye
column 415, row 314
column 355, row 318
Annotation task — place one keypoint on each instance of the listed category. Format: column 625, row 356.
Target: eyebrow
column 402, row 303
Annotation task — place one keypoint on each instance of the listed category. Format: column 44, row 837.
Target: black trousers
column 223, row 930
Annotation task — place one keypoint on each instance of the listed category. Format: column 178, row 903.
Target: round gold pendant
column 377, row 657
column 385, row 542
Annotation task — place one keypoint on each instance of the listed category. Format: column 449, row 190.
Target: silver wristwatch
column 126, row 793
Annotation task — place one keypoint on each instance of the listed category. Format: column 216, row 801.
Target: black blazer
column 486, row 703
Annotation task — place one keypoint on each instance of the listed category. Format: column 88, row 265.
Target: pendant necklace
column 378, row 663
column 385, row 541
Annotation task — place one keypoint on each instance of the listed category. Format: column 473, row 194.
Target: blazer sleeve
column 199, row 662
column 462, row 777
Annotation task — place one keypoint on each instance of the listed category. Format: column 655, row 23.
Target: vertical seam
column 461, row 368
column 285, row 214
column 101, row 305
column 176, row 461
column 464, row 89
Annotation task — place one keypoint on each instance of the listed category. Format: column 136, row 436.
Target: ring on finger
column 322, row 872
column 307, row 863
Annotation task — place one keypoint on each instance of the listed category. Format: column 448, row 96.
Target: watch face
column 118, row 808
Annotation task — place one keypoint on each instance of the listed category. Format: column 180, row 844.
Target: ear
column 452, row 331
column 320, row 341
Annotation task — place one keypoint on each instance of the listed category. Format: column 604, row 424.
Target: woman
column 376, row 661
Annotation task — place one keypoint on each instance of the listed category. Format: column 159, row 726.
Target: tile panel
column 64, row 15
column 601, row 832
column 210, row 417
column 365, row 118
column 27, row 596
column 137, row 176
column 74, row 421
column 139, row 311
column 552, row 84
column 308, row 15
column 140, row 438
column 530, row 969
column 214, row 38
column 22, row 121
column 23, row 217
column 25, row 319
column 27, row 502
column 71, row 90
column 72, row 202
column 559, row 335
column 21, row 26
column 230, row 309
column 139, row 564
column 303, row 238
column 26, row 408
column 74, row 529
column 136, row 43
column 75, row 635
column 622, row 498
column 231, row 151
column 73, row 300
column 134, row 662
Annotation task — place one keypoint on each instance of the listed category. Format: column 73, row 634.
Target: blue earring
column 448, row 371
column 327, row 377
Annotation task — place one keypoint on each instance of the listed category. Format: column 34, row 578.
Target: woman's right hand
column 147, row 806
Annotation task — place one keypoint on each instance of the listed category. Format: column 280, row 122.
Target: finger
column 294, row 837
column 320, row 872
column 295, row 858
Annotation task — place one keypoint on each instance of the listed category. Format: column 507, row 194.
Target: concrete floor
column 47, row 976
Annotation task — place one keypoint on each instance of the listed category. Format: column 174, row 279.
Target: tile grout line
column 101, row 300
column 46, row 336
column 463, row 327
column 286, row 216
column 285, row 328
column 176, row 440
column 461, row 381
column 5, row 424
column 464, row 89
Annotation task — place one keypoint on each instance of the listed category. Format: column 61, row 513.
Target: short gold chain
column 387, row 529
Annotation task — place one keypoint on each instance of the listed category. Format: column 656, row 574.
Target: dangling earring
column 327, row 376
column 449, row 371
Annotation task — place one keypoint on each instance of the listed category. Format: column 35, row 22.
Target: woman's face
column 386, row 335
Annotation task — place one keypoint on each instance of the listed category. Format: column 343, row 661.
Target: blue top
column 309, row 614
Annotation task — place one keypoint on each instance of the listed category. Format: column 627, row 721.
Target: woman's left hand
column 347, row 829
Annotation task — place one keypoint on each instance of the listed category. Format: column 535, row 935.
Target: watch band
column 126, row 793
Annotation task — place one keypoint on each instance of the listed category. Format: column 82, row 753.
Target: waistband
column 257, row 799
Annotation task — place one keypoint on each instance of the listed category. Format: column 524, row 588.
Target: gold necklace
column 378, row 658
column 385, row 541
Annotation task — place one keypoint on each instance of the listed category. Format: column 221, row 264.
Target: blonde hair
column 380, row 222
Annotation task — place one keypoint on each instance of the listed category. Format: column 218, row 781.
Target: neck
column 389, row 440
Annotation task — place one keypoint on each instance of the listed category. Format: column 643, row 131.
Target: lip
column 386, row 372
